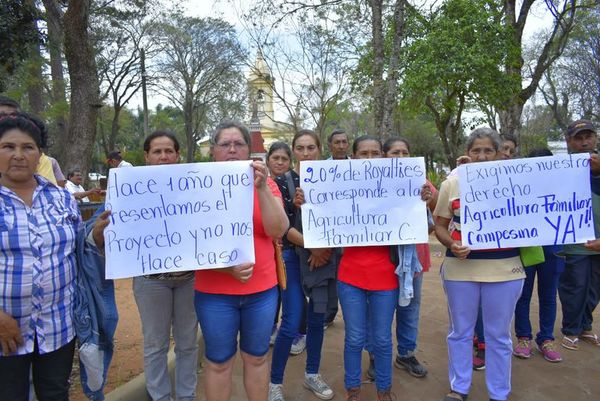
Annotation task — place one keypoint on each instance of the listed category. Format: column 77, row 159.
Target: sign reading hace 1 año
column 179, row 217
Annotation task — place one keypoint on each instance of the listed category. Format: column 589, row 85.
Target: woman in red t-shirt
column 241, row 300
column 368, row 294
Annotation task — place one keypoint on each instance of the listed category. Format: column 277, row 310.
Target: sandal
column 589, row 338
column 455, row 396
column 571, row 343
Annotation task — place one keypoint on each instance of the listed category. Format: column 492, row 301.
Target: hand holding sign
column 515, row 203
column 363, row 202
column 242, row 272
column 178, row 217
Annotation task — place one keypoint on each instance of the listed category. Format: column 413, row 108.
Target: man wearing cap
column 579, row 284
column 114, row 159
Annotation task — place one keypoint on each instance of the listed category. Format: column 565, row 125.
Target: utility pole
column 144, row 96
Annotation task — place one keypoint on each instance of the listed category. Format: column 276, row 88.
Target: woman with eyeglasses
column 241, row 300
column 492, row 276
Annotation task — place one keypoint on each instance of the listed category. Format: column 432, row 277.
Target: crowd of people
column 237, row 307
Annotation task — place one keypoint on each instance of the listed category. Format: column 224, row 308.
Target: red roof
column 257, row 142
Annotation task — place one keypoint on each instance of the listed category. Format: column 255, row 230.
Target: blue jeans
column 164, row 304
column 579, row 291
column 222, row 317
column 377, row 308
column 547, row 280
column 293, row 304
column 407, row 321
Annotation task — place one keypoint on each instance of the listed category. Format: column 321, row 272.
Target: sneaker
column 298, row 345
column 316, row 384
column 371, row 370
column 523, row 349
column 276, row 392
column 274, row 332
column 549, row 351
column 411, row 364
column 353, row 394
column 479, row 359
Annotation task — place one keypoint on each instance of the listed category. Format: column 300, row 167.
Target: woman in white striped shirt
column 38, row 226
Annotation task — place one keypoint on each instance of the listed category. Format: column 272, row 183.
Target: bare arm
column 443, row 235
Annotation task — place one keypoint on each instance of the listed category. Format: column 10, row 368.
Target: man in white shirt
column 114, row 159
column 73, row 185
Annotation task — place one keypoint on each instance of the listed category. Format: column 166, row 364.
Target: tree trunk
column 385, row 89
column 34, row 81
column 34, row 74
column 76, row 146
column 54, row 17
column 188, row 115
column 114, row 129
column 377, row 42
column 564, row 17
column 391, row 87
column 510, row 119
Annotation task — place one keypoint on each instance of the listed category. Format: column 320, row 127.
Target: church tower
column 260, row 88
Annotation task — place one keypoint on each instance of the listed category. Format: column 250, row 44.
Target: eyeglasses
column 228, row 145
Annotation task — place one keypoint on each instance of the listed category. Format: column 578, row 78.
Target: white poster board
column 363, row 202
column 179, row 217
column 526, row 202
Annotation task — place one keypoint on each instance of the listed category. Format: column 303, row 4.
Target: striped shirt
column 37, row 264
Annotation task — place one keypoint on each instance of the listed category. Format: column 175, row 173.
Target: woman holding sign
column 492, row 276
column 241, row 300
column 165, row 301
column 407, row 316
column 368, row 293
column 279, row 161
column 303, row 266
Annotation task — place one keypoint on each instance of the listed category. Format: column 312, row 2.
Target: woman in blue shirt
column 38, row 227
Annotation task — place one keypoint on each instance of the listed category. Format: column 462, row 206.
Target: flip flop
column 590, row 338
column 454, row 396
column 571, row 343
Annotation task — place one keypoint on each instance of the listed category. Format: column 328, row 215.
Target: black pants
column 579, row 292
column 50, row 371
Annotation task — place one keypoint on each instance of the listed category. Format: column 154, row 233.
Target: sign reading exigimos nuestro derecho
column 179, row 217
column 526, row 202
column 363, row 202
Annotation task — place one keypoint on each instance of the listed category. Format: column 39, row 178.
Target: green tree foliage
column 200, row 72
column 455, row 58
column 18, row 32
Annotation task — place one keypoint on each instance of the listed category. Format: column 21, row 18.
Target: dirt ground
column 576, row 378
